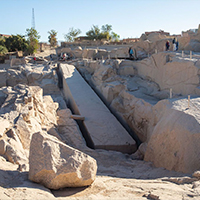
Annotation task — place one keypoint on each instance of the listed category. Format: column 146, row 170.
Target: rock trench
column 135, row 92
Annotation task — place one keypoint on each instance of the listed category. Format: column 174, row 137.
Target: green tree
column 106, row 28
column 52, row 38
column 72, row 34
column 2, row 41
column 3, row 50
column 105, row 34
column 115, row 37
column 33, row 40
column 16, row 43
column 93, row 33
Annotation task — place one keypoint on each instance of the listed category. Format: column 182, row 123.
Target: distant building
column 189, row 32
column 128, row 40
column 176, row 36
column 43, row 46
column 6, row 36
column 160, row 32
column 81, row 38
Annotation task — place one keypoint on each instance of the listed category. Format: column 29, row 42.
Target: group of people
column 175, row 44
column 167, row 45
column 64, row 56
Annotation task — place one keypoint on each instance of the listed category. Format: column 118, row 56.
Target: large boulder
column 155, row 37
column 143, row 37
column 49, row 86
column 102, row 73
column 33, row 74
column 102, row 53
column 111, row 90
column 175, row 140
column 56, row 165
column 119, row 53
column 17, row 61
column 77, row 52
column 91, row 65
column 14, row 151
column 89, row 53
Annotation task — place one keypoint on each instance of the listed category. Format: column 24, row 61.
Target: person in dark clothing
column 34, row 58
column 51, row 57
column 130, row 51
column 167, row 45
column 176, row 45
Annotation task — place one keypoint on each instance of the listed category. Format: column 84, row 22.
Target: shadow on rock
column 69, row 191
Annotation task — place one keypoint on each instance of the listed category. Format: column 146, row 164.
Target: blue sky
column 129, row 18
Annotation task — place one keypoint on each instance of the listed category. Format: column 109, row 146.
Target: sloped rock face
column 193, row 45
column 35, row 115
column 136, row 112
column 10, row 145
column 175, row 140
column 23, row 112
column 169, row 71
column 56, row 165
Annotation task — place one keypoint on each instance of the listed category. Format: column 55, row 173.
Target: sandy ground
column 118, row 177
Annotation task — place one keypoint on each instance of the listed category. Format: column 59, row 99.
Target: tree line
column 29, row 42
column 95, row 33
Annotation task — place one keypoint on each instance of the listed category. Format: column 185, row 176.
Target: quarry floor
column 118, row 177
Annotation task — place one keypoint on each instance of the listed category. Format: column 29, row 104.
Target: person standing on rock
column 167, row 45
column 34, row 58
column 130, row 51
column 174, row 44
